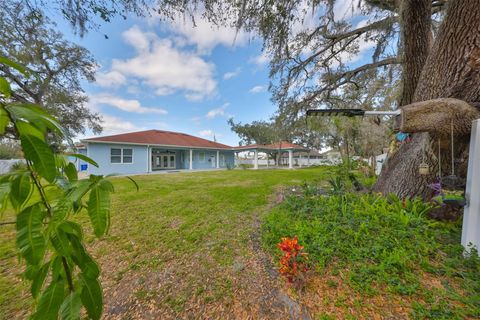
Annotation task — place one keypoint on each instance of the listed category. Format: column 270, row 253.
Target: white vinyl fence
column 296, row 162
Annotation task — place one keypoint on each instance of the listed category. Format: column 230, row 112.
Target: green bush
column 245, row 166
column 381, row 242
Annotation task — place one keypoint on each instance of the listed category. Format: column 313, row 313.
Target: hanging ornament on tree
column 423, row 169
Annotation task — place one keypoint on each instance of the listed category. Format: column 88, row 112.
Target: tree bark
column 415, row 17
column 452, row 70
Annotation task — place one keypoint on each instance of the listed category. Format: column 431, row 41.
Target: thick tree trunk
column 452, row 70
column 415, row 17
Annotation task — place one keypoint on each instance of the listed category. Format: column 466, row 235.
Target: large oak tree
column 59, row 66
column 436, row 43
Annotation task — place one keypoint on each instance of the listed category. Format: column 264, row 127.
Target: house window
column 127, row 155
column 115, row 155
column 121, row 155
column 201, row 157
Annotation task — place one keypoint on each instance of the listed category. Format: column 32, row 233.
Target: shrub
column 381, row 242
column 293, row 264
column 245, row 166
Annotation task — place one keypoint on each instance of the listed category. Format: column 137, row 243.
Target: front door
column 213, row 161
column 164, row 161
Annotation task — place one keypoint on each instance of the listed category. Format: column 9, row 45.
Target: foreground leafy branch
column 45, row 196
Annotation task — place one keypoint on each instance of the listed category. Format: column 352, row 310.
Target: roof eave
column 156, row 145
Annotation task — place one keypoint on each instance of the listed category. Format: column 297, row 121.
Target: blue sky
column 173, row 76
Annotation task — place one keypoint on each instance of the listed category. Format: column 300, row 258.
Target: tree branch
column 347, row 76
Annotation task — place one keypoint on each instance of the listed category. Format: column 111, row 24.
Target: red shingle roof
column 159, row 137
column 283, row 145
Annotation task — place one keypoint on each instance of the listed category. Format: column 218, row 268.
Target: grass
column 182, row 247
column 172, row 245
column 382, row 252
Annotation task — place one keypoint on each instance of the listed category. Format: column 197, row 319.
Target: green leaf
column 23, row 70
column 71, row 172
column 99, row 209
column 4, row 120
column 92, row 297
column 61, row 209
column 20, row 190
column 4, row 195
column 40, row 154
column 50, row 301
column 36, row 116
column 83, row 260
column 70, row 309
column 38, row 280
column 5, row 88
column 84, row 158
column 106, row 185
column 30, row 239
column 133, row 181
column 60, row 242
column 71, row 228
column 27, row 129
column 78, row 190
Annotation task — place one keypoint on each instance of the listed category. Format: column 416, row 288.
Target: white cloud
column 231, row 74
column 217, row 112
column 205, row 35
column 129, row 105
column 209, row 134
column 206, row 133
column 164, row 67
column 113, row 125
column 138, row 39
column 110, row 79
column 258, row 89
column 260, row 60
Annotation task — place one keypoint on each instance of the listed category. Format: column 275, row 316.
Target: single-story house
column 152, row 150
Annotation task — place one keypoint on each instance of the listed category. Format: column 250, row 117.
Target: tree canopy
column 60, row 67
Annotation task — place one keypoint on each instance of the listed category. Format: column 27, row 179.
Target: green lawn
column 180, row 246
column 188, row 245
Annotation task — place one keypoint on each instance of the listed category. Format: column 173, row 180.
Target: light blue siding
column 100, row 153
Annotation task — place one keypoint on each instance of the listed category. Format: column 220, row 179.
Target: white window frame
column 121, row 156
column 200, row 160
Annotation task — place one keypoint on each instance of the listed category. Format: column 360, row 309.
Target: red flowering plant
column 293, row 264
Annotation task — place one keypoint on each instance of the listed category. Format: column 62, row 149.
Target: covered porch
column 279, row 148
column 161, row 158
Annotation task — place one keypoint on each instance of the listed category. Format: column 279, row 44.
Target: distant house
column 332, row 155
column 153, row 150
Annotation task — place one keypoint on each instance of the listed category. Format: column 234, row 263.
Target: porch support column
column 149, row 159
column 255, row 160
column 300, row 160
column 218, row 159
column 290, row 159
column 191, row 160
column 471, row 213
column 268, row 160
column 308, row 160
